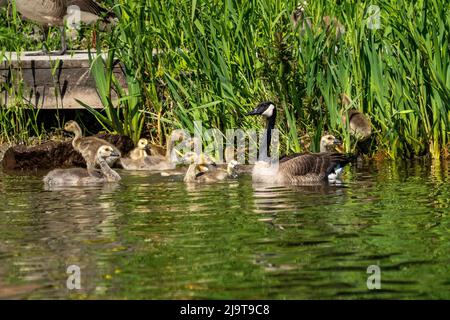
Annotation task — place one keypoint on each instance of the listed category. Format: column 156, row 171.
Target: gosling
column 203, row 171
column 158, row 162
column 136, row 158
column 81, row 177
column 328, row 143
column 89, row 146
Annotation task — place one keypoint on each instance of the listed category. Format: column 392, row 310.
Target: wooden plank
column 52, row 82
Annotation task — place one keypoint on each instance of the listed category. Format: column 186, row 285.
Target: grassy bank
column 215, row 62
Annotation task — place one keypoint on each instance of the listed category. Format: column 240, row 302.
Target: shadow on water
column 156, row 237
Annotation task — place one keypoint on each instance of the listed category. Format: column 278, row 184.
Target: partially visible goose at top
column 306, row 168
column 88, row 146
column 50, row 13
column 201, row 171
column 299, row 16
column 81, row 177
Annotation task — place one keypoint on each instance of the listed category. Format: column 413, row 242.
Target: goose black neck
column 270, row 125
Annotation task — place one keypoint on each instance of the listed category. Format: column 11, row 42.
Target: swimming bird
column 82, row 177
column 201, row 169
column 50, row 13
column 304, row 168
column 88, row 146
column 158, row 162
column 136, row 158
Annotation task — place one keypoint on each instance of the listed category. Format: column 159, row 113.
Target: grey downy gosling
column 158, row 162
column 200, row 171
column 88, row 146
column 51, row 13
column 81, row 177
column 304, row 168
column 136, row 158
column 360, row 126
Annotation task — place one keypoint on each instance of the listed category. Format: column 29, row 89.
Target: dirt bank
column 54, row 154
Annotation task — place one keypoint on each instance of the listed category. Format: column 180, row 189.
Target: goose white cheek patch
column 269, row 112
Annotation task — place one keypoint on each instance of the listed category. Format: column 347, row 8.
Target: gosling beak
column 148, row 148
column 179, row 153
column 115, row 154
column 337, row 142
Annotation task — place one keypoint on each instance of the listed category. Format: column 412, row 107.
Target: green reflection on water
column 157, row 238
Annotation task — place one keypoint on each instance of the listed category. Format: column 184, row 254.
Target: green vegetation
column 188, row 60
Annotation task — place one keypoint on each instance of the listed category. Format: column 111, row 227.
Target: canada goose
column 158, row 162
column 136, row 158
column 305, row 168
column 80, row 176
column 201, row 171
column 360, row 125
column 328, row 22
column 49, row 13
column 88, row 146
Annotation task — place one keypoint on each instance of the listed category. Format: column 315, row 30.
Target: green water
column 156, row 238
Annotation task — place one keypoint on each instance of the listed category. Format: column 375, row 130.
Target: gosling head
column 328, row 143
column 106, row 152
column 266, row 109
column 72, row 126
column 143, row 144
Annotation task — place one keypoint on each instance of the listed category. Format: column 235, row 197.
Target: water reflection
column 157, row 237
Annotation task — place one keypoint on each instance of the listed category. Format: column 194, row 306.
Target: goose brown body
column 52, row 12
column 48, row 13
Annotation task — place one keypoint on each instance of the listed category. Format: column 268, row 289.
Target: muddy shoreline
column 51, row 154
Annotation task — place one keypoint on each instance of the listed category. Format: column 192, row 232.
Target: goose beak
column 254, row 112
column 337, row 142
column 115, row 154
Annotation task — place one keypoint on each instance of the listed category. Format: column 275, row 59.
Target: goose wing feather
column 313, row 166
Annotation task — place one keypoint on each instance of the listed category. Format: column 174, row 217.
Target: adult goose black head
column 269, row 112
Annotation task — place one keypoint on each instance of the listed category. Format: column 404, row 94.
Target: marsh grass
column 192, row 61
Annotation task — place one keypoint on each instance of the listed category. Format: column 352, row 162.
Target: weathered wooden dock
column 50, row 82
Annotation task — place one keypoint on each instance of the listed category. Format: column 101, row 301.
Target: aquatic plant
column 192, row 61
